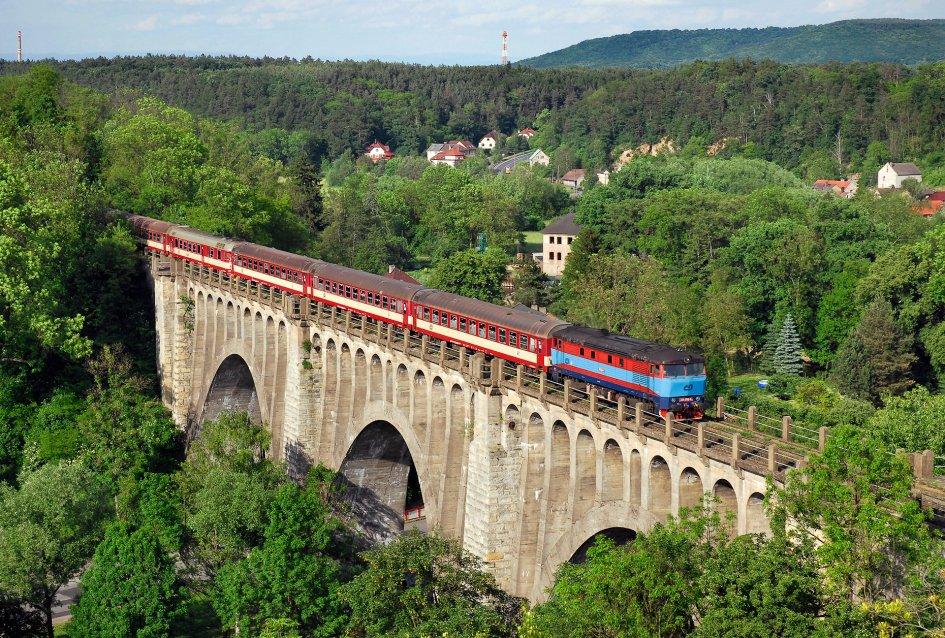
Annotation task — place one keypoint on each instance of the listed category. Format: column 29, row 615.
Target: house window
column 559, row 256
column 559, row 239
column 551, row 256
column 570, row 239
column 551, row 239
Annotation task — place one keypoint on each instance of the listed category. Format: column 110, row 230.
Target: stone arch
column 756, row 519
column 585, row 489
column 690, row 489
column 512, row 418
column 619, row 535
column 453, row 490
column 360, row 380
column 636, row 477
column 613, row 472
column 726, row 502
column 533, row 498
column 660, row 488
column 232, row 388
column 607, row 516
column 419, row 412
column 377, row 379
column 376, row 472
column 402, row 390
column 560, row 465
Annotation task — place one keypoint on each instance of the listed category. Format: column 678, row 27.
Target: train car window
column 462, row 324
column 513, row 339
column 621, row 362
column 610, row 359
column 482, row 330
column 582, row 352
column 426, row 314
column 523, row 342
column 593, row 355
column 531, row 344
column 384, row 304
column 472, row 327
column 444, row 319
column 436, row 316
column 654, row 370
column 502, row 335
column 453, row 322
column 491, row 333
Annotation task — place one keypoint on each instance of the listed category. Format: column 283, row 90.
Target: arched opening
column 232, row 390
column 381, row 483
column 360, row 380
column 560, row 466
column 403, row 389
column 345, row 385
column 660, row 488
column 377, row 379
column 619, row 535
column 726, row 503
column 690, row 489
column 453, row 493
column 757, row 519
column 612, row 489
column 535, row 454
column 636, row 477
column 586, row 469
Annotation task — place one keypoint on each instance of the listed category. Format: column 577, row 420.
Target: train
column 670, row 379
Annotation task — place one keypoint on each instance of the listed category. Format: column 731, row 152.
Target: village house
column 931, row 203
column 573, row 179
column 450, row 153
column 532, row 157
column 377, row 152
column 845, row 188
column 557, row 238
column 893, row 174
column 527, row 133
column 489, row 141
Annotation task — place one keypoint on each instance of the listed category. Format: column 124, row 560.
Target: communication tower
column 505, row 48
column 19, row 46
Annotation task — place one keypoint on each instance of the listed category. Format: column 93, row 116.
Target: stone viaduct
column 522, row 471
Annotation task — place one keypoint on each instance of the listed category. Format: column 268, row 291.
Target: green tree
column 472, row 274
column 425, row 585
column 787, row 356
column 911, row 422
column 226, row 485
column 876, row 360
column 129, row 589
column 853, row 505
column 19, row 620
column 530, row 285
column 48, row 531
column 293, row 574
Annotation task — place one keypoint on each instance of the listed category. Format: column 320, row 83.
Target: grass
column 532, row 241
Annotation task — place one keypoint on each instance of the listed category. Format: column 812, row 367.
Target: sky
column 424, row 31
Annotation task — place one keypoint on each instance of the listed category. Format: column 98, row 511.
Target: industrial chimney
column 505, row 48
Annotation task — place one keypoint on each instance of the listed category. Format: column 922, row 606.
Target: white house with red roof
column 527, row 133
column 489, row 141
column 377, row 152
column 450, row 153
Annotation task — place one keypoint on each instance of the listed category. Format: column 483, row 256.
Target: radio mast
column 505, row 48
column 19, row 46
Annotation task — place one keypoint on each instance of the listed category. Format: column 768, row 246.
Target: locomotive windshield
column 683, row 369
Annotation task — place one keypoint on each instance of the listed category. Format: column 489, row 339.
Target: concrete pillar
column 638, row 418
column 736, row 450
column 752, row 417
column 785, row 428
column 720, row 408
column 700, row 438
column 542, row 382
column 822, row 438
column 593, row 399
column 668, row 428
column 621, row 410
column 567, row 394
column 772, row 458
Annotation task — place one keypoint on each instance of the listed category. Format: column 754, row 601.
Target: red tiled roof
column 449, row 154
column 842, row 183
column 396, row 273
column 527, row 131
column 937, row 196
column 928, row 207
column 575, row 174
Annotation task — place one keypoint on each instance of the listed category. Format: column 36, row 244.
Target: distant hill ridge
column 884, row 40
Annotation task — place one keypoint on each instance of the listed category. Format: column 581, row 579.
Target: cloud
column 837, row 6
column 188, row 19
column 147, row 24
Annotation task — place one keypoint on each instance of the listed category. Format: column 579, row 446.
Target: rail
column 743, row 438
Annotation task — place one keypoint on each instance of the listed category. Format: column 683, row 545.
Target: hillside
column 887, row 40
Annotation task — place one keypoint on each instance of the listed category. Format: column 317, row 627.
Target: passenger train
column 672, row 380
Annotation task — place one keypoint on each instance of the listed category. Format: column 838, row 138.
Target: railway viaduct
column 522, row 471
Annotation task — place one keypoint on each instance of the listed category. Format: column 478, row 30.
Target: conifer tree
column 787, row 355
column 770, row 347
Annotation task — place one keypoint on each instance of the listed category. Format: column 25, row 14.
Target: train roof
column 522, row 319
column 146, row 224
column 276, row 256
column 384, row 285
column 201, row 237
column 623, row 345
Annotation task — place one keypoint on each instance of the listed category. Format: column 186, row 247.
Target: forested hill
column 887, row 40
